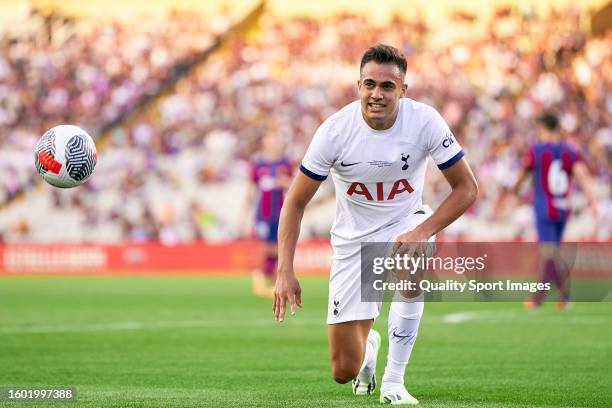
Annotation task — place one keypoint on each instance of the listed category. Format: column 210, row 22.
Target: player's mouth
column 376, row 107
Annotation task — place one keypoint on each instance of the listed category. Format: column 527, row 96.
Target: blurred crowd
column 176, row 171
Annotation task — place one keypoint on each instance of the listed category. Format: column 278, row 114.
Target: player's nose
column 376, row 93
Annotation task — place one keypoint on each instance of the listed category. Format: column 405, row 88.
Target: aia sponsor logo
column 379, row 194
column 448, row 140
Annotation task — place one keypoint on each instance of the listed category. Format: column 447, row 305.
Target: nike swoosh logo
column 348, row 164
column 399, row 336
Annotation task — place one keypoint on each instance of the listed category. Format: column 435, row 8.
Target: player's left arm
column 581, row 172
column 464, row 192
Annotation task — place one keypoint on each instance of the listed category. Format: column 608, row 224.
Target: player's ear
column 404, row 90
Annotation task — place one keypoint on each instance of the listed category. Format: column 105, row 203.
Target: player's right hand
column 287, row 289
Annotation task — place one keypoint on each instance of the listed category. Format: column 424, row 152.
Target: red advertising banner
column 588, row 260
column 238, row 257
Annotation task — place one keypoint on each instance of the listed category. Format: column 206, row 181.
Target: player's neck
column 549, row 137
column 271, row 156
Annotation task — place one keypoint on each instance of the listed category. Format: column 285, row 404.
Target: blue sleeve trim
column 312, row 175
column 452, row 161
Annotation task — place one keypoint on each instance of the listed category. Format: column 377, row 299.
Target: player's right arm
column 287, row 288
column 315, row 167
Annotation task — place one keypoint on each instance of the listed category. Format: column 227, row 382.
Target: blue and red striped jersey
column 270, row 195
column 551, row 165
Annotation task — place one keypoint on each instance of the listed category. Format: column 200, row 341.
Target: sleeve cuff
column 451, row 161
column 310, row 174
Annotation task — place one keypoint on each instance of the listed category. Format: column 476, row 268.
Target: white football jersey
column 378, row 174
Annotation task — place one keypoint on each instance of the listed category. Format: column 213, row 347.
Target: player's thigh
column 345, row 302
column 549, row 232
column 272, row 236
column 266, row 230
column 347, row 342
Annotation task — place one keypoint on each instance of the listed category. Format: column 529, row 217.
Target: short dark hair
column 549, row 120
column 384, row 54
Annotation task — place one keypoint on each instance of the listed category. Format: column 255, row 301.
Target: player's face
column 380, row 88
column 271, row 145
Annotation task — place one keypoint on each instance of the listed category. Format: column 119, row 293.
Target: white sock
column 367, row 367
column 404, row 319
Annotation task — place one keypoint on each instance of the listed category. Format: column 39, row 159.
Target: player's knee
column 344, row 371
column 342, row 376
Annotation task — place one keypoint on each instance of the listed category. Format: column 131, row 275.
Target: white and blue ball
column 65, row 156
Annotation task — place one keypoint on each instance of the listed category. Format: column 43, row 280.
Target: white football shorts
column 345, row 303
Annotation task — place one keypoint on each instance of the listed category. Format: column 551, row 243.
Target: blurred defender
column 553, row 163
column 270, row 177
column 376, row 150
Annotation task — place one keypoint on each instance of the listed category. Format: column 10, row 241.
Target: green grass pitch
column 204, row 341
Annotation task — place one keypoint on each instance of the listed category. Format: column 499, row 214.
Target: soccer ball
column 65, row 156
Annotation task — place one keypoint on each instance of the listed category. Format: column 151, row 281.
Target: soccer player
column 553, row 163
column 271, row 174
column 376, row 150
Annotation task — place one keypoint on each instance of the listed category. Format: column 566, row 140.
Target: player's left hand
column 412, row 243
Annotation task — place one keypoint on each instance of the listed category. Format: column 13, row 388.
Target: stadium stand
column 57, row 69
column 175, row 171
